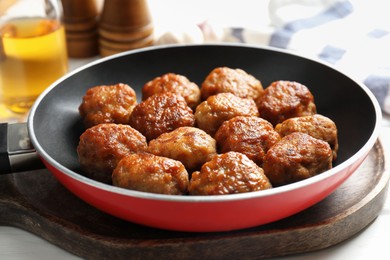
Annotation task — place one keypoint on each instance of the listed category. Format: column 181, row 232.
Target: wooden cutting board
column 36, row 202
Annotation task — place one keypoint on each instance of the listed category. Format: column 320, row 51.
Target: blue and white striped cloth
column 354, row 36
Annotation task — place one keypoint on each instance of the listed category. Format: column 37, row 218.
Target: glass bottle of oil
column 32, row 50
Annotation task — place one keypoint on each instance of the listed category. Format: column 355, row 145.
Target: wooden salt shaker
column 81, row 24
column 124, row 25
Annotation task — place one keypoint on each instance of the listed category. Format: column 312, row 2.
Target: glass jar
column 32, row 50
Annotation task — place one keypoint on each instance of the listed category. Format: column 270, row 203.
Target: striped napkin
column 353, row 36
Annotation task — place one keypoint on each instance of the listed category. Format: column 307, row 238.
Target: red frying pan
column 54, row 127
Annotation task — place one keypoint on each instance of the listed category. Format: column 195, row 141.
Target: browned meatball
column 210, row 114
column 285, row 99
column 189, row 145
column 161, row 113
column 108, row 104
column 174, row 83
column 228, row 173
column 318, row 126
column 102, row 146
column 151, row 173
column 250, row 135
column 235, row 81
column 296, row 157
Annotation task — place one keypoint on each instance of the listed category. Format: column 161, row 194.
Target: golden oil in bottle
column 32, row 56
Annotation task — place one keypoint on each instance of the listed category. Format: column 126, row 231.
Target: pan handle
column 16, row 151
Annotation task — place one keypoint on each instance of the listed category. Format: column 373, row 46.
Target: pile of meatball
column 228, row 136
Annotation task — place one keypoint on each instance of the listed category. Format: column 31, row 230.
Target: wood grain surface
column 36, row 202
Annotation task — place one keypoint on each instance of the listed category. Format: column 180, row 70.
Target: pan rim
column 361, row 153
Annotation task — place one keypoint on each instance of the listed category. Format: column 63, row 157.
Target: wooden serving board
column 36, row 202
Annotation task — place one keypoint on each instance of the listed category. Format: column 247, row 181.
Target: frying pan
column 54, row 127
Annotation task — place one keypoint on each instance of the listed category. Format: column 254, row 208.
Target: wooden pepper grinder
column 124, row 25
column 81, row 25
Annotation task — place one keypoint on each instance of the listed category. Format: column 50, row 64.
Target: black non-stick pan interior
column 57, row 124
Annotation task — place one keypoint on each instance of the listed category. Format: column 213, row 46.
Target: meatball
column 108, row 104
column 161, row 113
column 235, row 81
column 189, row 145
column 210, row 114
column 228, row 173
column 174, row 83
column 285, row 99
column 296, row 157
column 151, row 173
column 318, row 126
column 102, row 146
column 250, row 135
